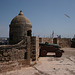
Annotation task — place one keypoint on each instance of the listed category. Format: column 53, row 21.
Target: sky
column 46, row 16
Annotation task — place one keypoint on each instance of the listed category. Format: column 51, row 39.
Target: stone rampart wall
column 12, row 52
column 27, row 49
column 43, row 40
column 64, row 42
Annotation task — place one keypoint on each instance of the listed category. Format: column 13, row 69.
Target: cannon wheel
column 58, row 53
column 43, row 53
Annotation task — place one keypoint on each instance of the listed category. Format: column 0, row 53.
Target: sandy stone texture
column 50, row 65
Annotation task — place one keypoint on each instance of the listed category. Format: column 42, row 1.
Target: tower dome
column 19, row 28
column 21, row 19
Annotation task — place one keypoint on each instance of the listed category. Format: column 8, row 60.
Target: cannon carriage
column 46, row 47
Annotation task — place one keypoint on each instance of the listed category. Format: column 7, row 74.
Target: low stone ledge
column 11, row 46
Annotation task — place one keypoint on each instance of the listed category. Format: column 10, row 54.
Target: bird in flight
column 67, row 16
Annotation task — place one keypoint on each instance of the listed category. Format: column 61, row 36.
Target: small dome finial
column 21, row 13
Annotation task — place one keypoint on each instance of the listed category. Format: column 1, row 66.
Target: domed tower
column 19, row 28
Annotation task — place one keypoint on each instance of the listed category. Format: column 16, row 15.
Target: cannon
column 46, row 47
column 73, row 43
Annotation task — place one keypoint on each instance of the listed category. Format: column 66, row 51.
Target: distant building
column 4, row 41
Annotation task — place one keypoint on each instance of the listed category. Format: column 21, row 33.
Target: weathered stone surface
column 0, row 55
column 35, row 48
column 5, row 54
column 43, row 40
column 12, row 52
column 63, row 42
column 20, row 27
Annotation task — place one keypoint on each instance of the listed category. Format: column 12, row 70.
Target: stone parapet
column 63, row 42
column 13, row 52
column 43, row 40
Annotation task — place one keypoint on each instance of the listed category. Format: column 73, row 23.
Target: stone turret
column 19, row 28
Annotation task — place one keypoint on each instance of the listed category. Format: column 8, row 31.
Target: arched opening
column 29, row 33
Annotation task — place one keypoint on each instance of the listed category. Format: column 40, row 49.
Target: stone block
column 0, row 55
column 5, row 54
column 6, row 58
column 2, row 59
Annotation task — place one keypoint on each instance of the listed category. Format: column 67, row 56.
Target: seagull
column 67, row 16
